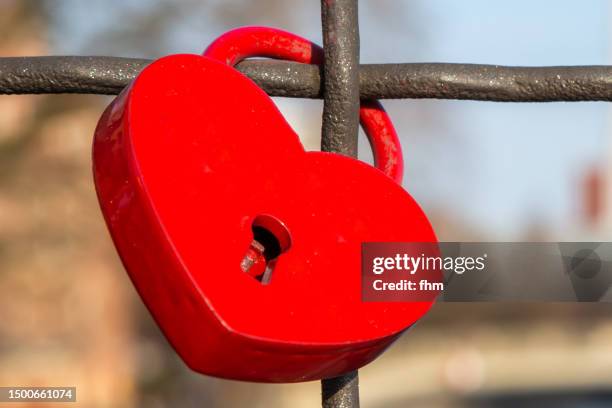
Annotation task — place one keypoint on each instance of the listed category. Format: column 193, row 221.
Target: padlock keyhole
column 271, row 238
column 268, row 241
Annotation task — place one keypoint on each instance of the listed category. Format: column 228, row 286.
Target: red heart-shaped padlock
column 192, row 160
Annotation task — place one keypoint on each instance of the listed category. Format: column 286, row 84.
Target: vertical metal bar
column 339, row 132
column 341, row 392
column 340, row 76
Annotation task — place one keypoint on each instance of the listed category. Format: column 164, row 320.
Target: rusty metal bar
column 341, row 392
column 67, row 74
column 443, row 81
column 340, row 24
column 340, row 76
column 109, row 75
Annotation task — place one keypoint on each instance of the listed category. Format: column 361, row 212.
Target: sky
column 498, row 167
column 527, row 158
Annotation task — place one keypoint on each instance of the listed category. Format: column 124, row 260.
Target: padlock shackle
column 246, row 42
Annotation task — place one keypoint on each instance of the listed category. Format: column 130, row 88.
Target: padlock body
column 185, row 161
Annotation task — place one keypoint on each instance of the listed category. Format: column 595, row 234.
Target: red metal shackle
column 241, row 43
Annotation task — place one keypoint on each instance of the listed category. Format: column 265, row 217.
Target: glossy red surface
column 185, row 160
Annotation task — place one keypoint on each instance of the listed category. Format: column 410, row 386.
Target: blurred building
column 66, row 315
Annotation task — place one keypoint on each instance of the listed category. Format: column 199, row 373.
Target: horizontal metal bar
column 109, row 75
column 65, row 74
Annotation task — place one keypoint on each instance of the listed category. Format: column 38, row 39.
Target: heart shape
column 185, row 159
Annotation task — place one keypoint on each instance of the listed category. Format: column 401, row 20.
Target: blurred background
column 481, row 171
